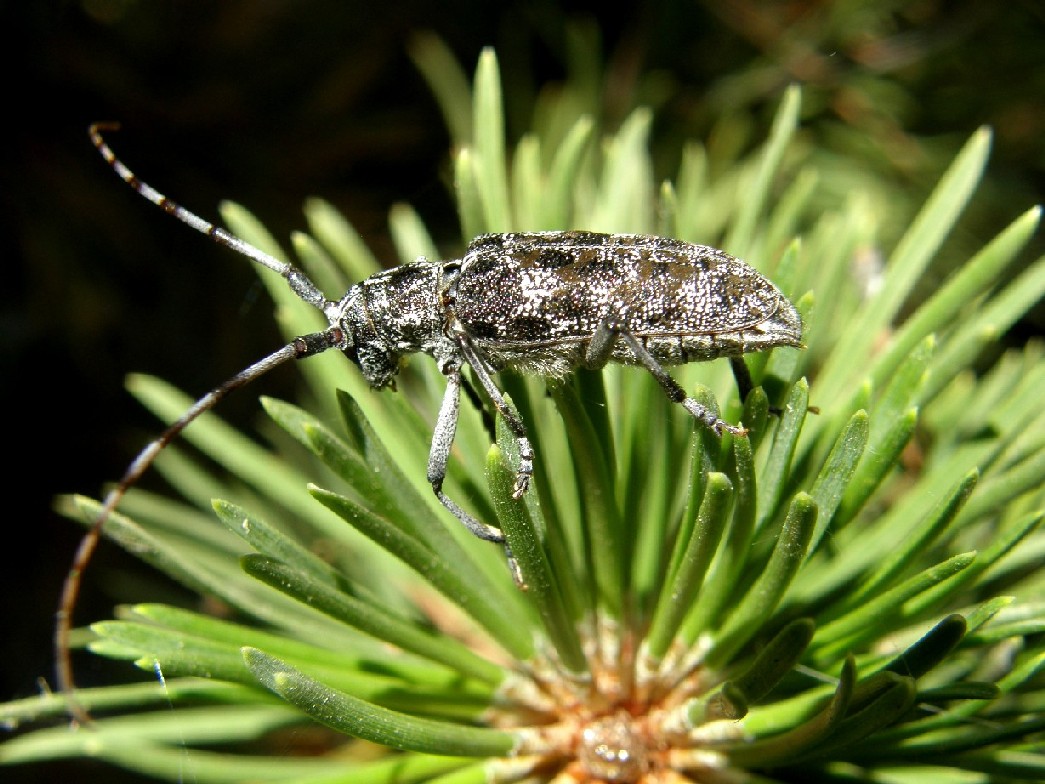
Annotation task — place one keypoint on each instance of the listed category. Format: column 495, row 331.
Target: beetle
column 542, row 303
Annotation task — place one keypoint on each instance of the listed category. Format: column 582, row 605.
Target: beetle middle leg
column 600, row 349
column 511, row 416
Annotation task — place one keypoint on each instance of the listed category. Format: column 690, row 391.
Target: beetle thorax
column 391, row 314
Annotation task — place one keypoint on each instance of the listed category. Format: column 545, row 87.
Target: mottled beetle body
column 534, row 301
column 542, row 303
column 545, row 303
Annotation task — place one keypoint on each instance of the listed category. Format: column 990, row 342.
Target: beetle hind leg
column 600, row 349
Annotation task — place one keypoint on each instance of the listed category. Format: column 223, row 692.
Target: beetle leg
column 600, row 347
column 602, row 344
column 484, row 410
column 506, row 410
column 743, row 377
column 744, row 383
column 442, row 440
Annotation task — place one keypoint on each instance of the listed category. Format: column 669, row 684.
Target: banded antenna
column 299, row 348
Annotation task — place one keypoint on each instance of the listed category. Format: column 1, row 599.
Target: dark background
column 267, row 103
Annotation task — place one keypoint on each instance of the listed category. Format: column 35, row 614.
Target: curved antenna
column 299, row 348
column 299, row 282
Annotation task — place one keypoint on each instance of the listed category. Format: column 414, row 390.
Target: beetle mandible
column 543, row 303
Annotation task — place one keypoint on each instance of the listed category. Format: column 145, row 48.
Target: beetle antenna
column 299, row 348
column 299, row 282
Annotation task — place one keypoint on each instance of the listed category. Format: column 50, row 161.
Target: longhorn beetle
column 542, row 303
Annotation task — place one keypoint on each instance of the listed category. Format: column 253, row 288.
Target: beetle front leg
column 442, row 440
